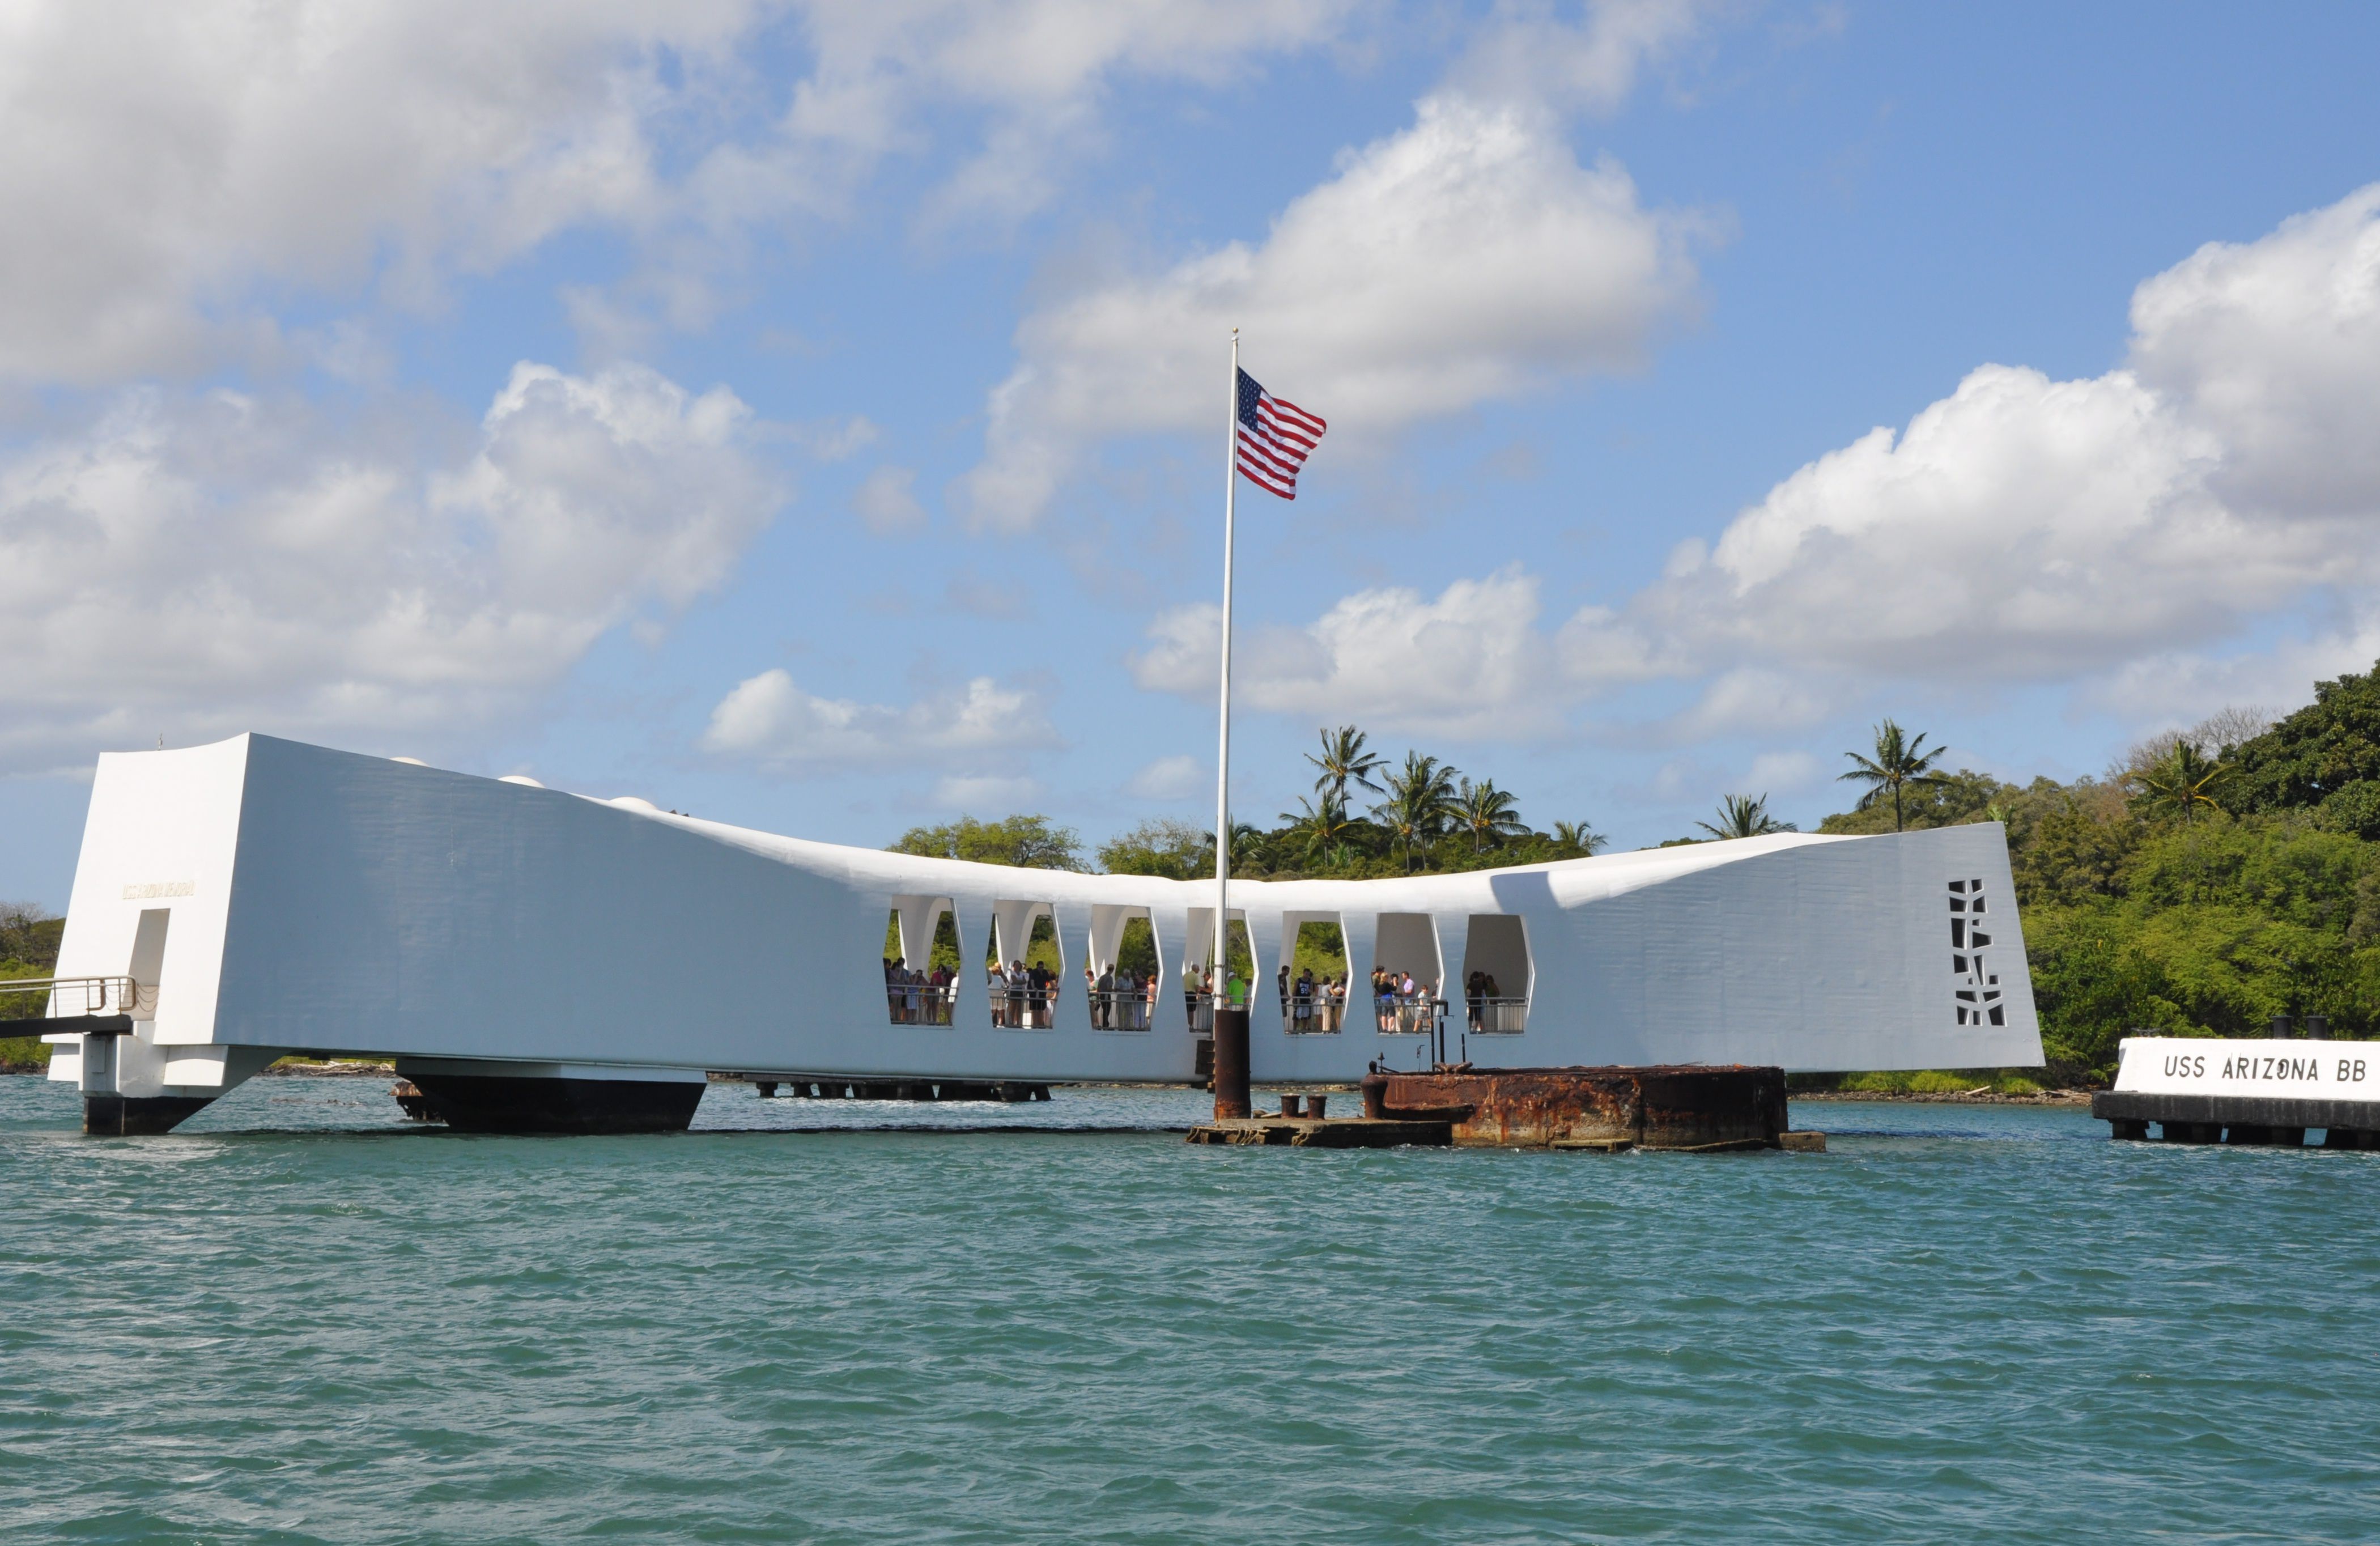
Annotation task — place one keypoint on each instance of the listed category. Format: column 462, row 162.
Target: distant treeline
column 28, row 947
column 2210, row 880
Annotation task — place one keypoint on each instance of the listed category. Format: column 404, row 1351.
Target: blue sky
column 809, row 416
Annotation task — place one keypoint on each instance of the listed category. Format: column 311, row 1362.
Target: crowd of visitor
column 1024, row 998
column 918, row 997
column 1405, row 1005
column 1121, row 1000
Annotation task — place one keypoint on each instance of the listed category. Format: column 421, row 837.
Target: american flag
column 1275, row 438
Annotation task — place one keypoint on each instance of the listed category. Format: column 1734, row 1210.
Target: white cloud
column 156, row 164
column 165, row 169
column 887, row 502
column 1472, row 662
column 1037, row 69
column 1466, row 259
column 2115, row 533
column 1783, row 771
column 769, row 718
column 198, row 564
column 984, row 792
column 1172, row 778
column 1528, row 51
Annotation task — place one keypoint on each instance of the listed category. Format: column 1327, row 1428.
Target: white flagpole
column 1224, row 738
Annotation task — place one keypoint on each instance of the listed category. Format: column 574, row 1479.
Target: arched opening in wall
column 1496, row 976
column 1121, row 967
column 1200, row 982
column 1315, row 990
column 1024, row 966
column 1405, row 976
column 921, row 961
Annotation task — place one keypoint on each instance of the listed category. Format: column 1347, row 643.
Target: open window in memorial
column 1121, row 967
column 1200, row 982
column 1023, row 966
column 1405, row 996
column 921, row 961
column 1496, row 976
column 1315, row 991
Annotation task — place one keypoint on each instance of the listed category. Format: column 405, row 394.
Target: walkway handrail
column 83, row 995
column 1499, row 1014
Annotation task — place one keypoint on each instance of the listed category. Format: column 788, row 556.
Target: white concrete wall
column 348, row 903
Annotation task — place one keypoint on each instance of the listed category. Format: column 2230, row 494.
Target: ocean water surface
column 302, row 1318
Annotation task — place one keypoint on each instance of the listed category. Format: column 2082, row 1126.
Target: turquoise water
column 304, row 1320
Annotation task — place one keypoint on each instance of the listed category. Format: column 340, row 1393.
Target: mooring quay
column 2272, row 1090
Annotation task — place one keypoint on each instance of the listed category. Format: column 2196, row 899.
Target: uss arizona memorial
column 238, row 902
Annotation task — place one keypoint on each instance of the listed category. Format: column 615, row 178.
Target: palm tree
column 1579, row 838
column 1421, row 799
column 1344, row 762
column 2184, row 783
column 1744, row 816
column 1899, row 763
column 1317, row 827
column 1488, row 813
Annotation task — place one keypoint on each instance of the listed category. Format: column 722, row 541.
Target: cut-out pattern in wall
column 1978, row 994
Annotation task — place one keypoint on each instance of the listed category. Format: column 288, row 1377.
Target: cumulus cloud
column 887, row 501
column 771, row 721
column 1172, row 778
column 178, row 163
column 2113, row 534
column 1468, row 258
column 170, row 159
column 985, row 793
column 200, row 564
column 1469, row 662
column 1531, row 50
column 2027, row 529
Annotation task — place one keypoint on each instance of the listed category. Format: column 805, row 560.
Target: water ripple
column 303, row 1322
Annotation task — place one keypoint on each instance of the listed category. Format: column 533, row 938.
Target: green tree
column 1420, row 802
column 1745, row 816
column 2184, row 783
column 1315, row 827
column 1964, row 795
column 1177, row 851
column 1344, row 762
column 2314, row 753
column 1577, row 840
column 1901, row 762
column 1027, row 842
column 1488, row 813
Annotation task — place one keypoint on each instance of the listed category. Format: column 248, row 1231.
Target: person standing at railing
column 1301, row 1003
column 1103, row 992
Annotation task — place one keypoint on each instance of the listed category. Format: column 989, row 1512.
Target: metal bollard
column 2318, row 1028
column 2279, row 1030
column 1289, row 1104
column 1314, row 1105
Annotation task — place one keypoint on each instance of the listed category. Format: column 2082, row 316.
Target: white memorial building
column 238, row 902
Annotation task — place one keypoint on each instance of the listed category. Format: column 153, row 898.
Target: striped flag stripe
column 1286, row 465
column 1273, row 438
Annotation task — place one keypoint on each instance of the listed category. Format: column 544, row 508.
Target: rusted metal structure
column 1690, row 1108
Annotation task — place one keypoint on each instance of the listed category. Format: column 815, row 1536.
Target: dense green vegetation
column 28, row 947
column 2211, row 880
